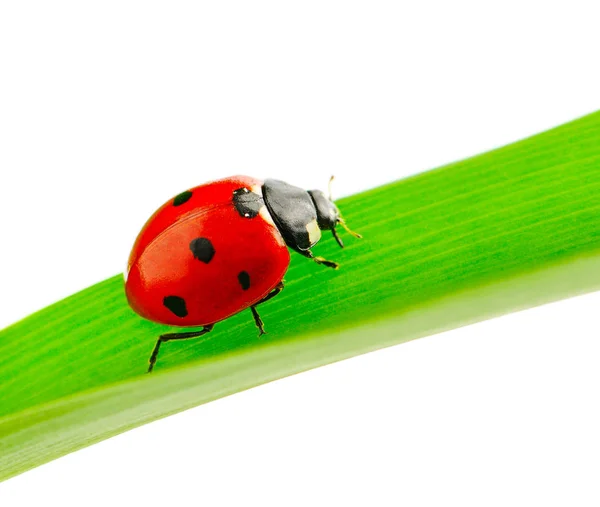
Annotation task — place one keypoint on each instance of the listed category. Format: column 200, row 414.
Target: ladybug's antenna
column 329, row 186
column 343, row 223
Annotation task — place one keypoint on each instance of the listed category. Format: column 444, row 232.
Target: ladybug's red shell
column 200, row 259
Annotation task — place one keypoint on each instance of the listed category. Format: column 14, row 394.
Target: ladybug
column 220, row 248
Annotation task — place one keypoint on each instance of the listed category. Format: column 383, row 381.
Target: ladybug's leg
column 257, row 320
column 337, row 237
column 320, row 260
column 175, row 336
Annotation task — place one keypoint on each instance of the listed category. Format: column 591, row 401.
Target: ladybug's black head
column 328, row 215
column 301, row 215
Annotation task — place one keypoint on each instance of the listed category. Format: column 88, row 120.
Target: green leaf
column 503, row 231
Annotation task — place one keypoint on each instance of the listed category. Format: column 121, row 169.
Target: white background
column 107, row 109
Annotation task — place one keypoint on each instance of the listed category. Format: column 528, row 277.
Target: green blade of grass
column 503, row 231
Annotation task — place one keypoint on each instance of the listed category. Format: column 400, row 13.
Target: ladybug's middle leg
column 257, row 320
column 175, row 336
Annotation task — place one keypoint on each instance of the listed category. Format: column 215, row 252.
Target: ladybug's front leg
column 257, row 320
column 319, row 260
column 175, row 336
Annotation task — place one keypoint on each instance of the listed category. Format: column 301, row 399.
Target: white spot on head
column 314, row 233
column 246, row 214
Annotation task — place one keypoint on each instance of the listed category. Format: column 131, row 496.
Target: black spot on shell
column 176, row 305
column 247, row 203
column 182, row 198
column 203, row 249
column 244, row 279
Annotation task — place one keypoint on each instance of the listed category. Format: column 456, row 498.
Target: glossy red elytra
column 220, row 248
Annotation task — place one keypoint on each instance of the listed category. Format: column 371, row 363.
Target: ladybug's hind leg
column 257, row 320
column 175, row 336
